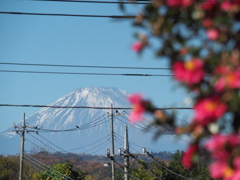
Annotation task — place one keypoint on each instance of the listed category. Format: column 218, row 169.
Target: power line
column 121, row 142
column 105, row 2
column 43, row 143
column 134, row 126
column 50, row 171
column 125, row 172
column 76, row 129
column 90, row 144
column 53, row 144
column 80, row 66
column 89, row 107
column 39, row 169
column 144, row 129
column 107, row 142
column 70, row 15
column 149, row 155
column 76, row 73
column 143, row 167
column 35, row 144
column 137, row 126
column 44, row 165
column 137, row 144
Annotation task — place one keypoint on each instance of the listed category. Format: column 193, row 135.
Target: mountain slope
column 86, row 130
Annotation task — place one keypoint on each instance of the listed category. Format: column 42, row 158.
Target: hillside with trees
column 164, row 165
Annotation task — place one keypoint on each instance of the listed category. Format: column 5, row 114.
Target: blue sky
column 74, row 41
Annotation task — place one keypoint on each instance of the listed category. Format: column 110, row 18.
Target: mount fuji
column 85, row 129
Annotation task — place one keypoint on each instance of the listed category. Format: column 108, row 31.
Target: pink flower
column 138, row 108
column 212, row 34
column 179, row 3
column 209, row 110
column 137, row 46
column 186, row 3
column 221, row 170
column 209, row 4
column 218, row 143
column 222, row 148
column 187, row 159
column 190, row 72
column 226, row 5
column 227, row 80
column 223, row 69
column 216, row 146
column 236, row 162
column 174, row 2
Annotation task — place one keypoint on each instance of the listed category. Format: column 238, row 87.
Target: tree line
column 87, row 167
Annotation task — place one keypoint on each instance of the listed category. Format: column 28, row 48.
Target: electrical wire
column 115, row 2
column 124, row 171
column 52, row 130
column 70, row 15
column 120, row 139
column 39, row 170
column 137, row 145
column 151, row 130
column 88, row 107
column 94, row 123
column 167, row 168
column 76, row 73
column 35, row 144
column 40, row 166
column 134, row 126
column 143, row 127
column 137, row 151
column 52, row 170
column 117, row 140
column 133, row 162
column 105, row 2
column 62, row 177
column 121, row 142
column 85, row 126
column 93, row 153
column 98, row 145
column 142, row 167
column 52, row 143
column 76, row 129
column 66, row 151
column 43, row 143
column 89, row 144
column 169, row 130
column 80, row 66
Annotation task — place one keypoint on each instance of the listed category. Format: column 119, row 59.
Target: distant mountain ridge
column 59, row 125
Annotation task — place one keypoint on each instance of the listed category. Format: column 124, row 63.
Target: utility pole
column 112, row 139
column 22, row 129
column 22, row 148
column 126, row 155
column 112, row 135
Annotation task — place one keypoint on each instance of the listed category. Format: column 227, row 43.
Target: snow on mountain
column 93, row 134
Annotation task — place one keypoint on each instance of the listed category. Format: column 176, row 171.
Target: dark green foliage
column 8, row 168
column 172, row 170
column 66, row 169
